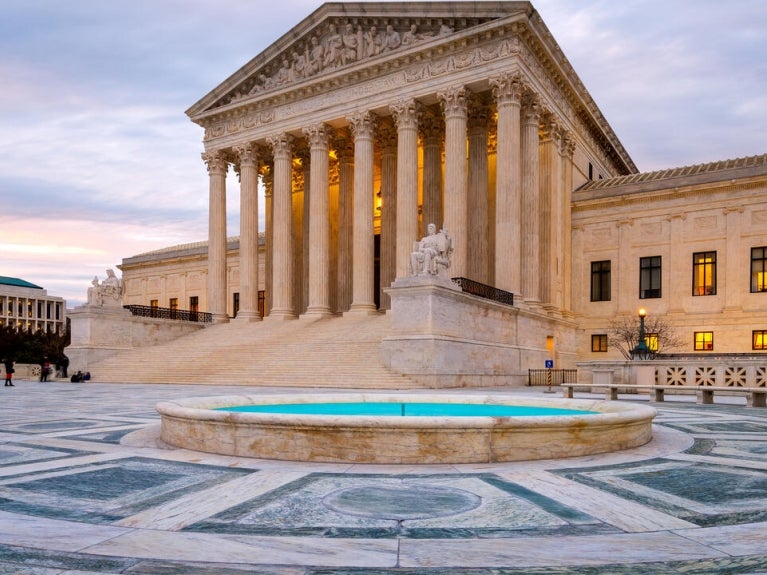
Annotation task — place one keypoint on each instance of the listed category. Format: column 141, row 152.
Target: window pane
column 759, row 340
column 704, row 273
column 650, row 277
column 759, row 270
column 704, row 340
column 600, row 281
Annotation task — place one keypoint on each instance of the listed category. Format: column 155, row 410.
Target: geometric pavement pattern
column 86, row 487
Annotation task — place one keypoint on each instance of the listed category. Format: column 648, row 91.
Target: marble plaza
column 86, row 487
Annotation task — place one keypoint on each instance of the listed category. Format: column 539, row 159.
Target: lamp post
column 641, row 351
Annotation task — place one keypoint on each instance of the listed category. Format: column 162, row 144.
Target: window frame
column 762, row 334
column 601, row 280
column 759, row 276
column 703, row 341
column 601, row 341
column 650, row 286
column 704, row 273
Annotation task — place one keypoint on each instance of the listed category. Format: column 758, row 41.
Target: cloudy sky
column 99, row 162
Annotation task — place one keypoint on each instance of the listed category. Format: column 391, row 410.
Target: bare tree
column 624, row 335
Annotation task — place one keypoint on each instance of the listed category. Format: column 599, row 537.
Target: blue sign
column 549, row 363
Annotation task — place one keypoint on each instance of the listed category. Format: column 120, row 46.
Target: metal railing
column 541, row 376
column 485, row 291
column 170, row 313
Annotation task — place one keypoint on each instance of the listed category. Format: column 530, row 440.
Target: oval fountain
column 200, row 424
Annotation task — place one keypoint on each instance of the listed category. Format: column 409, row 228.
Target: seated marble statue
column 108, row 292
column 431, row 256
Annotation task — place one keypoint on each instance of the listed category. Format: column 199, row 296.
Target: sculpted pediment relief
column 342, row 39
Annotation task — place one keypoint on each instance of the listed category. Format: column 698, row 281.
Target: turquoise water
column 407, row 409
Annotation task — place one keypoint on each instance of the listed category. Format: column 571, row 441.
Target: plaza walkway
column 86, row 487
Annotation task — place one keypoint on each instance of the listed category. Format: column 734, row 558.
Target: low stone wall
column 719, row 371
column 101, row 332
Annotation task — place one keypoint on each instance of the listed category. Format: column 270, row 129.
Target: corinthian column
column 248, row 163
column 456, row 176
column 477, row 207
column 363, row 264
column 282, row 265
column 432, row 127
column 531, row 211
column 217, row 168
column 386, row 135
column 345, row 204
column 550, row 209
column 319, row 222
column 406, row 114
column 507, row 91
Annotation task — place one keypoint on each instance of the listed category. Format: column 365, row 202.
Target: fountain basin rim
column 204, row 408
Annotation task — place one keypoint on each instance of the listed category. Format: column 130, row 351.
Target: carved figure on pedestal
column 431, row 256
column 106, row 293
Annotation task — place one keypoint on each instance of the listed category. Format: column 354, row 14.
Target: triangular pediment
column 340, row 35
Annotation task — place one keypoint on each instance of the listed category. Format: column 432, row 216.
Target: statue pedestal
column 98, row 332
column 443, row 337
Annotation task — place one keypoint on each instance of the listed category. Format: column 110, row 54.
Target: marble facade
column 464, row 112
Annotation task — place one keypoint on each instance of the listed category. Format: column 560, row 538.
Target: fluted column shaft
column 248, row 233
column 268, row 237
column 568, row 149
column 454, row 104
column 346, row 204
column 477, row 207
column 282, row 268
column 319, row 222
column 217, row 168
column 406, row 117
column 432, row 128
column 386, row 135
column 507, row 91
column 531, row 212
column 363, row 264
column 550, row 209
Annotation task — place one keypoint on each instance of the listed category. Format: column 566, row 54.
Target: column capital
column 343, row 144
column 247, row 153
column 531, row 108
column 215, row 162
column 431, row 125
column 281, row 144
column 507, row 89
column 454, row 100
column 479, row 111
column 568, row 144
column 386, row 134
column 406, row 113
column 362, row 124
column 551, row 128
column 318, row 134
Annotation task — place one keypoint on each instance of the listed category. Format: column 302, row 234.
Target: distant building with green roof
column 27, row 306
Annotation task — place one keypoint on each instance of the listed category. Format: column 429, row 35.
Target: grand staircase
column 342, row 352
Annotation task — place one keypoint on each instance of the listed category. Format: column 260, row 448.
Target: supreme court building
column 368, row 121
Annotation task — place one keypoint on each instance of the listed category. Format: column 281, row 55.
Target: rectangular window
column 758, row 270
column 194, row 307
column 649, row 277
column 154, row 305
column 704, row 341
column 759, row 340
column 173, row 305
column 704, row 273
column 600, row 281
column 599, row 342
column 235, row 304
column 261, row 302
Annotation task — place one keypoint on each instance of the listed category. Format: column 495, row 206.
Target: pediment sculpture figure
column 431, row 256
column 107, row 293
